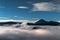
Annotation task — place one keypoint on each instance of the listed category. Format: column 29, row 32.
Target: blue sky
column 30, row 9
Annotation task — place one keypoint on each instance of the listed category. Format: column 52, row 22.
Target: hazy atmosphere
column 29, row 19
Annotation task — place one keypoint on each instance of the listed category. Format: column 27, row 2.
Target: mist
column 25, row 32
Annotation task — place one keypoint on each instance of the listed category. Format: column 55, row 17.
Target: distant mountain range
column 39, row 22
column 44, row 22
column 9, row 23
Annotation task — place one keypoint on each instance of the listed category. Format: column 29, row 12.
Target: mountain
column 53, row 23
column 44, row 22
column 41, row 22
column 9, row 23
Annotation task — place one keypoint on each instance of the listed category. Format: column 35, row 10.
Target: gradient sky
column 30, row 9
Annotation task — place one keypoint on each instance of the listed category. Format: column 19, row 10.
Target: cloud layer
column 21, row 34
column 56, row 1
column 22, row 7
column 5, row 18
column 44, row 6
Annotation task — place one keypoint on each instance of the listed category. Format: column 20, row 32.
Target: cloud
column 15, row 16
column 44, row 6
column 22, row 7
column 22, row 34
column 56, row 1
column 57, row 7
column 4, row 18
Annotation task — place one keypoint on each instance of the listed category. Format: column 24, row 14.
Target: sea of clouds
column 27, row 33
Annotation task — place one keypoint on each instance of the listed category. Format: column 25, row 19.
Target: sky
column 29, row 9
